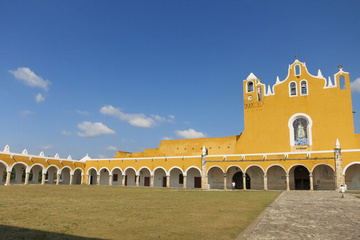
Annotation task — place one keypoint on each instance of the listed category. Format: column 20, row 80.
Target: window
column 297, row 70
column 293, row 91
column 300, row 125
column 300, row 131
column 250, row 86
column 342, row 82
column 181, row 178
column 115, row 177
column 304, row 90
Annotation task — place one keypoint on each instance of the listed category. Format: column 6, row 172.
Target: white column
column 225, row 183
column 265, row 182
column 58, row 179
column 71, row 179
column 311, row 181
column 8, row 176
column 184, row 181
column 43, row 178
column 26, row 178
column 98, row 179
column 152, row 180
column 167, row 181
column 110, row 180
column 287, row 182
column 244, row 181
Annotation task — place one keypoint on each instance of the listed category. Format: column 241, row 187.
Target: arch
column 92, row 168
column 304, row 87
column 160, row 179
column 193, row 177
column 323, row 177
column 65, row 175
column 256, row 177
column 342, row 84
column 192, row 167
column 77, row 176
column 35, row 171
column 352, row 176
column 276, row 177
column 292, row 89
column 230, row 171
column 116, row 168
column 215, row 176
column 159, row 168
column 130, row 176
column 104, row 176
column 215, row 166
column 176, row 177
column 297, row 70
column 273, row 165
column 349, row 165
column 117, row 175
column 239, row 180
column 249, row 86
column 51, row 174
column 144, row 176
column 176, row 167
column 19, row 169
column 130, row 168
column 299, row 119
column 299, row 177
column 6, row 165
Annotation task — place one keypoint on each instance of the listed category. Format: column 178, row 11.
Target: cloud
column 190, row 133
column 66, row 133
column 96, row 129
column 26, row 113
column 29, row 78
column 136, row 120
column 355, row 86
column 85, row 113
column 45, row 147
column 39, row 98
column 111, row 148
column 166, row 138
column 160, row 119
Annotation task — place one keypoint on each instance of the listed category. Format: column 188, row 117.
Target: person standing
column 233, row 185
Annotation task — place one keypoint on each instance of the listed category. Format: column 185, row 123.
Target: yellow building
column 291, row 140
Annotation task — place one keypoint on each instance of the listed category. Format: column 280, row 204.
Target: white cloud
column 166, row 138
column 26, row 113
column 45, row 147
column 160, row 119
column 96, row 129
column 355, row 86
column 67, row 133
column 190, row 133
column 111, row 148
column 137, row 119
column 102, row 156
column 85, row 113
column 29, row 78
column 39, row 98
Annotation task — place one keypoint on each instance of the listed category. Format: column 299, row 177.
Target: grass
column 105, row 212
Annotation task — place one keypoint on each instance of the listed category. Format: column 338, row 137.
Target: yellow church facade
column 298, row 135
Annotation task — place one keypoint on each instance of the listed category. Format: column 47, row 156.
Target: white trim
column 215, row 166
column 159, row 167
column 227, row 169
column 254, row 165
column 115, row 168
column 88, row 171
column 298, row 164
column 81, row 171
column 145, row 167
column 103, row 169
column 296, row 89
column 64, row 168
column 176, row 167
column 319, row 164
column 276, row 165
column 291, row 128
column 299, row 68
column 191, row 168
column 307, row 88
column 136, row 173
column 349, row 165
column 35, row 164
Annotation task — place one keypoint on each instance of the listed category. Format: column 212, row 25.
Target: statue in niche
column 300, row 131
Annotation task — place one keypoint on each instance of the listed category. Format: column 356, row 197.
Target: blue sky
column 82, row 77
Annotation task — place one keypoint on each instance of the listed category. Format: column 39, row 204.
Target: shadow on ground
column 10, row 232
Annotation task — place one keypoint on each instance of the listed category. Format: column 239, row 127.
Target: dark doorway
column 302, row 179
column 197, row 182
column 164, row 181
column 125, row 180
column 91, row 180
column 238, row 179
column 147, row 181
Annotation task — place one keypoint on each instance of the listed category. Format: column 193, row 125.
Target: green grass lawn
column 63, row 212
